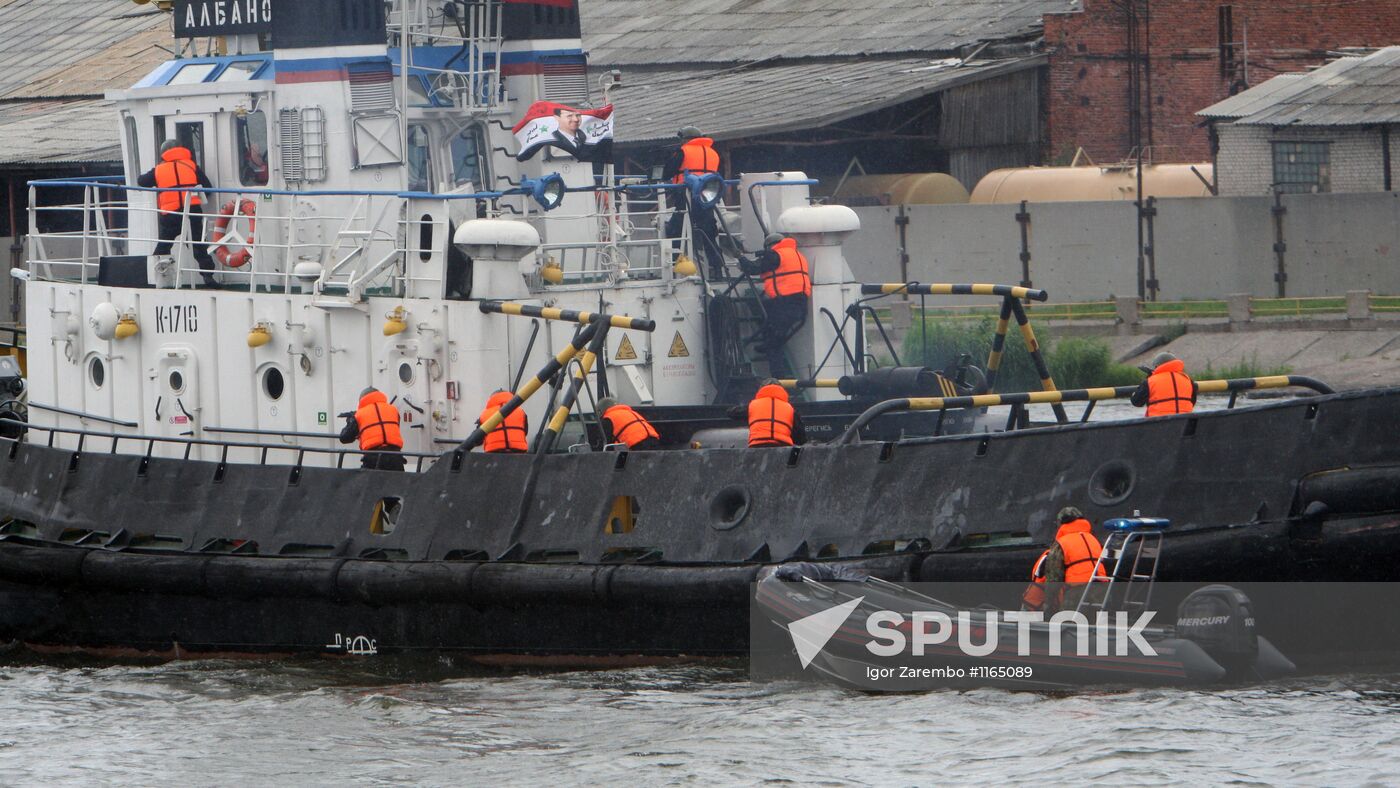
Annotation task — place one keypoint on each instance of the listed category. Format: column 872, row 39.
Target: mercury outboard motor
column 1220, row 619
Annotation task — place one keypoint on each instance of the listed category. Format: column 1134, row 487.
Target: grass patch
column 1250, row 368
column 1074, row 362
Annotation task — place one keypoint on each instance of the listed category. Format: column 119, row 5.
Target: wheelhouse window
column 240, row 71
column 1302, row 167
column 192, row 73
column 251, row 133
column 420, row 162
column 468, row 158
column 191, row 137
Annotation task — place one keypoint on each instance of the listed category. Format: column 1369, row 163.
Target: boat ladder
column 1129, row 561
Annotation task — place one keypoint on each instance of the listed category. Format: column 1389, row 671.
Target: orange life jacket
column 1081, row 549
column 792, row 276
column 699, row 157
column 514, row 433
column 628, row 426
column 177, row 169
column 379, row 422
column 1169, row 390
column 770, row 418
column 1033, row 598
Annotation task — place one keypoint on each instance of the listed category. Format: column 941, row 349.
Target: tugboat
column 178, row 487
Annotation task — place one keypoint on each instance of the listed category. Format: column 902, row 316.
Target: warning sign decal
column 624, row 350
column 678, row 348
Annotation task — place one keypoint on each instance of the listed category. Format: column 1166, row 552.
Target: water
column 320, row 722
column 371, row 721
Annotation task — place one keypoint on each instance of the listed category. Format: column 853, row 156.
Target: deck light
column 395, row 321
column 704, row 189
column 548, row 191
column 260, row 334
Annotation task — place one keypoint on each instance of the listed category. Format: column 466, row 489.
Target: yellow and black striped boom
column 914, row 288
column 566, row 315
column 1232, row 386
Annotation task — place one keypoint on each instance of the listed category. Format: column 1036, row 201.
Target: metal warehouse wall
column 1087, row 251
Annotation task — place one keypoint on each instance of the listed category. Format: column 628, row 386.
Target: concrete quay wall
column 1205, row 248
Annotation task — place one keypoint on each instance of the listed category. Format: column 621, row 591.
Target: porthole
column 97, row 372
column 406, row 372
column 729, row 507
column 273, row 384
column 1112, row 483
column 177, row 381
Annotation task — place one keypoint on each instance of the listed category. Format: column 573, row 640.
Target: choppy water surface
column 322, row 722
column 318, row 722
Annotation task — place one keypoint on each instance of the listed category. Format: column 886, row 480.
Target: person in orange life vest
column 622, row 424
column 513, row 436
column 696, row 154
column 1167, row 389
column 787, row 287
column 772, row 419
column 178, row 169
column 376, row 424
column 1071, row 560
column 1033, row 598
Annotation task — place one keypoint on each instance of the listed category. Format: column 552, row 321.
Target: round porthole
column 729, row 507
column 1112, row 483
column 97, row 372
column 177, row 381
column 406, row 372
column 273, row 384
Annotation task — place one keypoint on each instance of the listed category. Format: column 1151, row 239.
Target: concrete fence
column 1203, row 247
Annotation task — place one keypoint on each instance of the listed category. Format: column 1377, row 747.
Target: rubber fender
column 514, row 584
column 41, row 566
column 377, row 583
column 682, row 585
column 163, row 574
column 1353, row 490
column 249, row 577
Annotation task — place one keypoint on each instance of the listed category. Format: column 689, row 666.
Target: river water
column 373, row 721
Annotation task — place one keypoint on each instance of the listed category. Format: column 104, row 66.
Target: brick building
column 1330, row 130
column 1170, row 58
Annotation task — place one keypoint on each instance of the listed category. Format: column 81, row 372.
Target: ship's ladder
column 1129, row 561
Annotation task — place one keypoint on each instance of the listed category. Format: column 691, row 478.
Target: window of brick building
column 1301, row 167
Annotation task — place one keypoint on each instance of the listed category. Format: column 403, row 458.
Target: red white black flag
column 585, row 134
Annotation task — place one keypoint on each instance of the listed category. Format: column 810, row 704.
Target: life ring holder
column 223, row 237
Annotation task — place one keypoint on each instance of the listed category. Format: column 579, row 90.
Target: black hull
column 510, row 555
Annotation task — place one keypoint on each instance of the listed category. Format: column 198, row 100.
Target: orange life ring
column 234, row 259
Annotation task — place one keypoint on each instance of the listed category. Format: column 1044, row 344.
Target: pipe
column 556, row 424
column 914, row 288
column 531, row 386
column 1068, row 395
column 1028, row 336
column 809, row 383
column 567, row 315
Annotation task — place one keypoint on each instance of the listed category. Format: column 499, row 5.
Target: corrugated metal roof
column 41, row 41
column 42, row 133
column 1354, row 91
column 728, row 103
column 664, row 32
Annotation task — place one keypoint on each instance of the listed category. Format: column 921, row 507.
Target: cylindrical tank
column 904, row 188
column 1070, row 184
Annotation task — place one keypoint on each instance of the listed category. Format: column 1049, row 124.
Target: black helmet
column 773, row 239
column 689, row 133
column 1069, row 514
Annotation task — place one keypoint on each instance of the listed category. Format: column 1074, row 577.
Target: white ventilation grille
column 290, row 144
column 301, row 142
column 566, row 83
column 371, row 87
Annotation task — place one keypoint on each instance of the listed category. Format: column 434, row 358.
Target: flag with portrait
column 585, row 134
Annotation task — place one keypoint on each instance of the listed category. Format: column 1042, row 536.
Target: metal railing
column 112, row 442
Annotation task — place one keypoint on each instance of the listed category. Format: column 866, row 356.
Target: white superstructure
column 344, row 179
